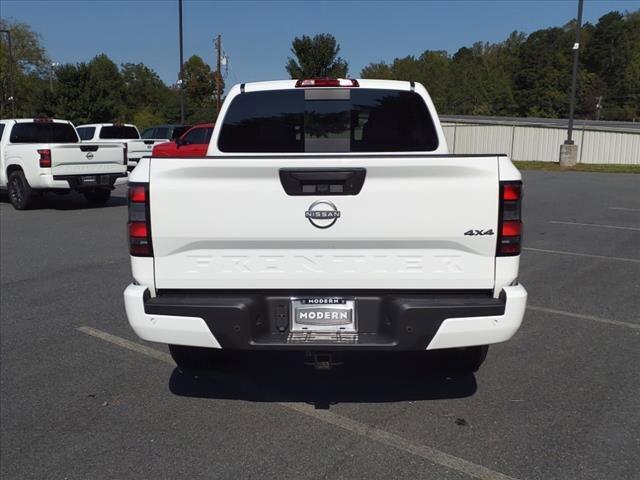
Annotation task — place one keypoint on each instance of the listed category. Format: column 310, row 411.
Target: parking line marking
column 595, row 225
column 128, row 344
column 575, row 254
column 425, row 452
column 582, row 316
column 626, row 209
column 381, row 436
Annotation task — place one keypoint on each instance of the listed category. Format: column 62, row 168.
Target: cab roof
column 291, row 84
column 107, row 125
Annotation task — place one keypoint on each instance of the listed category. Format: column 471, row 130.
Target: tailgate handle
column 149, row 142
column 89, row 148
column 334, row 181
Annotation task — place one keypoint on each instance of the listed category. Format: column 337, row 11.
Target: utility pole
column 11, row 91
column 218, row 43
column 181, row 66
column 569, row 151
column 598, row 106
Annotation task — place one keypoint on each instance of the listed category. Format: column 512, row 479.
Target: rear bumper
column 79, row 182
column 386, row 320
column 132, row 163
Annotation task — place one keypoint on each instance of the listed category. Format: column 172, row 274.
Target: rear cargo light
column 138, row 192
column 327, row 82
column 138, row 230
column 511, row 228
column 511, row 191
column 45, row 158
column 139, row 221
column 510, row 219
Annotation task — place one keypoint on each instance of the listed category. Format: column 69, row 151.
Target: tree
column 531, row 75
column 90, row 92
column 199, row 86
column 71, row 100
column 30, row 67
column 144, row 118
column 105, row 90
column 142, row 88
column 316, row 57
column 613, row 54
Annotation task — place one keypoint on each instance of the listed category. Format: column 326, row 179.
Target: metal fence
column 531, row 140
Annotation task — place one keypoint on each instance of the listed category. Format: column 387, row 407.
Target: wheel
column 98, row 196
column 467, row 359
column 194, row 358
column 20, row 192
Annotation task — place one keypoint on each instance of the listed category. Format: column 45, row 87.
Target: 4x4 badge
column 322, row 214
column 479, row 232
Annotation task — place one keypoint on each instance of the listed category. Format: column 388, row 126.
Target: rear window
column 43, row 133
column 119, row 132
column 328, row 120
column 149, row 133
column 86, row 133
column 198, row 136
column 162, row 132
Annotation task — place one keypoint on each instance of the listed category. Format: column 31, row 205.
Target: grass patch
column 581, row 167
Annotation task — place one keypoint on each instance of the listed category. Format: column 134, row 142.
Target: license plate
column 323, row 314
column 88, row 179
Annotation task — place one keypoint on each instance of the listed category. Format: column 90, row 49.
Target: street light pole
column 51, row 72
column 181, row 66
column 574, row 78
column 11, row 91
column 569, row 151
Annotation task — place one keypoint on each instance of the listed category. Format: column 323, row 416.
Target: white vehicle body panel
column 136, row 148
column 210, row 232
column 471, row 331
column 66, row 159
column 164, row 328
column 224, row 224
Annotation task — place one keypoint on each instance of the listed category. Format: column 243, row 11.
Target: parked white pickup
column 126, row 134
column 328, row 215
column 39, row 155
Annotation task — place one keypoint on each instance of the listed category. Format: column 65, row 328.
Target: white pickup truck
column 126, row 134
column 44, row 155
column 327, row 216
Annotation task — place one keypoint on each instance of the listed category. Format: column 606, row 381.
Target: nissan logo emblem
column 322, row 214
column 89, row 155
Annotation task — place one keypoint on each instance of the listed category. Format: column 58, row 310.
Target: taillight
column 139, row 221
column 45, row 158
column 510, row 219
column 328, row 82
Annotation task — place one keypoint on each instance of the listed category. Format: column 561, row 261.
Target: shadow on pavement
column 70, row 201
column 362, row 378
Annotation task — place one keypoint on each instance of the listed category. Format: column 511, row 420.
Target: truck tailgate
column 87, row 158
column 227, row 223
column 142, row 148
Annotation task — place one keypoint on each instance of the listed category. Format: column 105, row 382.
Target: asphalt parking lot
column 81, row 397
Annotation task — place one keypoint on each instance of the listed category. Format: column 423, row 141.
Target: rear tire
column 99, row 196
column 468, row 359
column 21, row 194
column 195, row 358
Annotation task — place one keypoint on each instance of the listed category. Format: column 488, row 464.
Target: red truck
column 193, row 143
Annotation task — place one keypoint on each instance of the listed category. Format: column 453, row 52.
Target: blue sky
column 257, row 35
